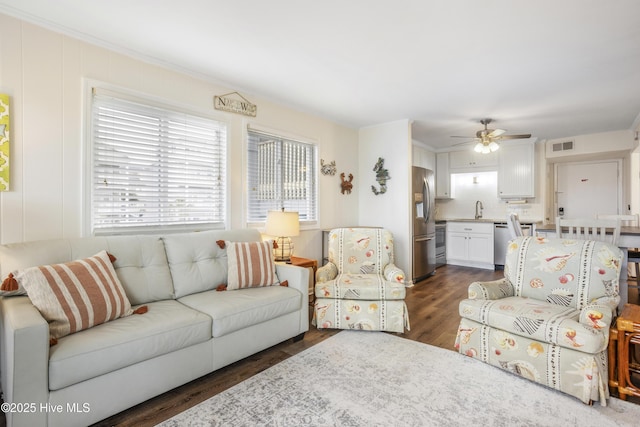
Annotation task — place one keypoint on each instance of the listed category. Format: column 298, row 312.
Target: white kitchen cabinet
column 423, row 158
column 443, row 176
column 516, row 173
column 469, row 159
column 470, row 244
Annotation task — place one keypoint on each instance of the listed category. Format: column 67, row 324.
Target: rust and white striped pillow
column 76, row 295
column 250, row 264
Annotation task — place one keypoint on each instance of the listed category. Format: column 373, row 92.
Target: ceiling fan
column 487, row 137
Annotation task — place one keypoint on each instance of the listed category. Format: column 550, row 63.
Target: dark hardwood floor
column 433, row 312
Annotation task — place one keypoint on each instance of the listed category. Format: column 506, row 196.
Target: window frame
column 152, row 103
column 281, row 135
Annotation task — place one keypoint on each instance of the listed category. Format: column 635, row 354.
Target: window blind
column 154, row 168
column 281, row 173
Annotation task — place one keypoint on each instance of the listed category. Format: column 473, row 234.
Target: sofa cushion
column 75, row 295
column 250, row 264
column 197, row 263
column 360, row 287
column 232, row 311
column 538, row 320
column 141, row 262
column 20, row 256
column 167, row 326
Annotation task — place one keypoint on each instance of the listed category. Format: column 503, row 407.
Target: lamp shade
column 282, row 224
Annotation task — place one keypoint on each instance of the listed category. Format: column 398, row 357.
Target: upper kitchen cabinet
column 422, row 157
column 443, row 176
column 469, row 159
column 516, row 173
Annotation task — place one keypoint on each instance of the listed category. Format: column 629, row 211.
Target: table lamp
column 282, row 225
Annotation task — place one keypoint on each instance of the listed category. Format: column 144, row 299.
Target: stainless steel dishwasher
column 501, row 237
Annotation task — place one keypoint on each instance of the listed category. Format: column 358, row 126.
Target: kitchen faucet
column 479, row 205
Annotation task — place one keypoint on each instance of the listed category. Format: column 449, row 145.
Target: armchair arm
column 393, row 273
column 492, row 290
column 327, row 272
column 599, row 313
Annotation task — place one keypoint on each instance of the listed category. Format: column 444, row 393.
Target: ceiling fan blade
column 487, row 135
column 527, row 135
column 463, row 143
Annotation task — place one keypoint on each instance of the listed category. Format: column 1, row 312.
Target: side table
column 313, row 265
column 627, row 335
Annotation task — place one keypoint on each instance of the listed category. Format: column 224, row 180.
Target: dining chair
column 604, row 230
column 633, row 254
column 625, row 220
column 513, row 224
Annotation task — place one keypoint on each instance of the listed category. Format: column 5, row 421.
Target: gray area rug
column 358, row 378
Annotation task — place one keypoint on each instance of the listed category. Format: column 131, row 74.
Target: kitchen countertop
column 489, row 220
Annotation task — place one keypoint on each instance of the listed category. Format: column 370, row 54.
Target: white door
column 586, row 189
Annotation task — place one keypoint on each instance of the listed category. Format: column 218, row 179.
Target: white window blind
column 281, row 174
column 154, row 168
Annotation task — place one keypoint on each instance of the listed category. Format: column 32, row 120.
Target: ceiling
column 550, row 68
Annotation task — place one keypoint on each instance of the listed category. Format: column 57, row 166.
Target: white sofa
column 189, row 330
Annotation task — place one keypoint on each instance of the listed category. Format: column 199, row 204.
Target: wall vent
column 562, row 146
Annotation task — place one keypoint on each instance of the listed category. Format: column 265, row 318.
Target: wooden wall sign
column 237, row 104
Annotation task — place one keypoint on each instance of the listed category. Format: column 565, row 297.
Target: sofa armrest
column 327, row 272
column 24, row 354
column 298, row 278
column 393, row 273
column 492, row 290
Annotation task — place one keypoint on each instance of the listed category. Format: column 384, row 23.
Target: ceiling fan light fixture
column 486, row 138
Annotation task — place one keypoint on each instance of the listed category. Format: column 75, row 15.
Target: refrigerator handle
column 426, row 195
column 423, row 239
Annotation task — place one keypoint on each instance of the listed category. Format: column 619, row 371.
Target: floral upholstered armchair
column 548, row 319
column 360, row 287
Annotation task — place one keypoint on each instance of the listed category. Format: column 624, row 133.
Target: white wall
column 43, row 72
column 592, row 144
column 598, row 146
column 392, row 142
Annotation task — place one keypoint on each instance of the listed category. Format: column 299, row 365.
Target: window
column 154, row 168
column 281, row 174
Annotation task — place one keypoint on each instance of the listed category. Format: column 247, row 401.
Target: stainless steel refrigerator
column 424, row 225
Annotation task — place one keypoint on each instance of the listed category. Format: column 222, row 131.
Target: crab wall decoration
column 328, row 168
column 346, row 184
